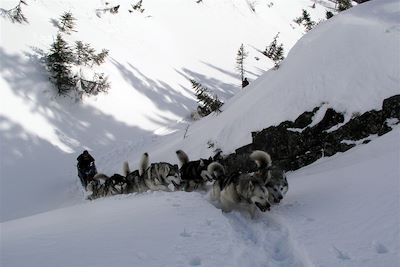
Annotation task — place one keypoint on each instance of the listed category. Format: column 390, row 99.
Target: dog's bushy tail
column 216, row 170
column 100, row 176
column 182, row 156
column 144, row 163
column 125, row 169
column 262, row 158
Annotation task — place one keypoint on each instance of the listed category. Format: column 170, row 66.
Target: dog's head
column 258, row 194
column 173, row 176
column 277, row 185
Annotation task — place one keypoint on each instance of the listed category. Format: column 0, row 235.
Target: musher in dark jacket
column 86, row 167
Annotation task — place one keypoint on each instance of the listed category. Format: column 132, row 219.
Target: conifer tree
column 15, row 14
column 305, row 20
column 275, row 51
column 100, row 57
column 207, row 103
column 82, row 56
column 240, row 58
column 59, row 65
column 83, row 53
column 86, row 55
column 67, row 22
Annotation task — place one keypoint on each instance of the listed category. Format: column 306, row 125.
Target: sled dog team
column 240, row 190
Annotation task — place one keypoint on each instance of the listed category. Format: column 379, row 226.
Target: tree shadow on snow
column 218, row 87
column 161, row 94
column 28, row 159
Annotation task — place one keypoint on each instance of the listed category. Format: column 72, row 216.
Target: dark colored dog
column 194, row 174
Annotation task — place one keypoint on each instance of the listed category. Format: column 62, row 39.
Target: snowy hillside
column 152, row 55
column 341, row 211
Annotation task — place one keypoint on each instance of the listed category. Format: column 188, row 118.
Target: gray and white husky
column 242, row 191
column 135, row 179
column 158, row 176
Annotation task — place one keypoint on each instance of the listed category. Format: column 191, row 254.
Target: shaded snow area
column 340, row 211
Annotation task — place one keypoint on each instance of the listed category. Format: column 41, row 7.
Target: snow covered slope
column 349, row 63
column 152, row 55
column 340, row 211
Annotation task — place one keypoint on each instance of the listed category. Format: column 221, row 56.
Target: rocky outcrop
column 294, row 144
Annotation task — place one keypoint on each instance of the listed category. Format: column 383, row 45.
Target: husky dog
column 194, row 174
column 217, row 172
column 101, row 185
column 135, row 181
column 273, row 177
column 277, row 186
column 241, row 190
column 247, row 193
column 159, row 176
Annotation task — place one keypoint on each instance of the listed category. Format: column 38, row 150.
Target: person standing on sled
column 86, row 168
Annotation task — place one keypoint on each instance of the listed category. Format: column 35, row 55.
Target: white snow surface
column 340, row 211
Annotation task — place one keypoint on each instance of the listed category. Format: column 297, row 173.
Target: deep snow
column 340, row 211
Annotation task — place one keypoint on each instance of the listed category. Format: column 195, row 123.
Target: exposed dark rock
column 330, row 119
column 304, row 119
column 291, row 149
column 391, row 107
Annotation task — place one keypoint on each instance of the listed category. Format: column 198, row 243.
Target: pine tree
column 275, row 51
column 15, row 14
column 100, row 57
column 305, row 20
column 83, row 53
column 216, row 104
column 278, row 56
column 240, row 58
column 67, row 22
column 270, row 50
column 59, row 65
column 207, row 103
column 343, row 5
